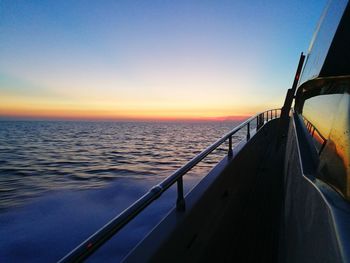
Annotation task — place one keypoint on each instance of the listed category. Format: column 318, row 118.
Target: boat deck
column 253, row 236
column 233, row 214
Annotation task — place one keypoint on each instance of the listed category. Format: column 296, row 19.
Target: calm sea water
column 60, row 181
column 37, row 156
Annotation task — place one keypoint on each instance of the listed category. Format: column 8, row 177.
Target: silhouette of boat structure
column 281, row 195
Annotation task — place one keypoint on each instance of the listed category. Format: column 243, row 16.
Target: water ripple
column 36, row 157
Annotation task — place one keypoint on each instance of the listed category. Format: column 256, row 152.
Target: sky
column 154, row 59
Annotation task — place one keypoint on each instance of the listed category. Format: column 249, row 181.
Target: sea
column 60, row 181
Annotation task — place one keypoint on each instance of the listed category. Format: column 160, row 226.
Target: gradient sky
column 150, row 59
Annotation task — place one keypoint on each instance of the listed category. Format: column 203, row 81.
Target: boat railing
column 87, row 247
column 313, row 131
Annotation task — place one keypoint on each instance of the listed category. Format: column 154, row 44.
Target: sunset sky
column 149, row 59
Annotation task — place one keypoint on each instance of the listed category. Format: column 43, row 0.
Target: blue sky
column 129, row 59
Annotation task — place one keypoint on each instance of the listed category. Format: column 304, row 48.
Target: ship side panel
column 309, row 230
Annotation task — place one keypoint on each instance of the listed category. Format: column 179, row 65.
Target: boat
column 280, row 195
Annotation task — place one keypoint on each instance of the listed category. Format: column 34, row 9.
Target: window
column 326, row 113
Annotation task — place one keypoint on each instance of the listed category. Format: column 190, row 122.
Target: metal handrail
column 311, row 129
column 91, row 244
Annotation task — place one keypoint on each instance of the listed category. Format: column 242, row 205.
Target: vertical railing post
column 229, row 153
column 261, row 119
column 248, row 131
column 180, row 202
column 257, row 123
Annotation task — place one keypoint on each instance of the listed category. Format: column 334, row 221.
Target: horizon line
column 122, row 119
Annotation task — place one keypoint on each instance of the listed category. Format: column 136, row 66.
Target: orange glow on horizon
column 106, row 115
column 141, row 108
column 51, row 108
